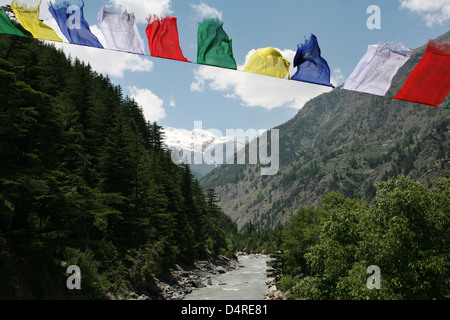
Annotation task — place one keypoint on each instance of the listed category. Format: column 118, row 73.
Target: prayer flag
column 120, row 30
column 28, row 16
column 429, row 82
column 7, row 27
column 377, row 68
column 163, row 38
column 448, row 106
column 70, row 18
column 311, row 67
column 214, row 46
column 268, row 61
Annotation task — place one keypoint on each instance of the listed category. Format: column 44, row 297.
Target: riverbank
column 272, row 293
column 183, row 279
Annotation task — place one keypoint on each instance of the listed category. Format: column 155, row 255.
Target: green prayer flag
column 448, row 106
column 214, row 46
column 7, row 27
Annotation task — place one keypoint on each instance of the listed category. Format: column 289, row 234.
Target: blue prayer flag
column 70, row 18
column 311, row 67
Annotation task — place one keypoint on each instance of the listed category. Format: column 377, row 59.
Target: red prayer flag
column 163, row 38
column 429, row 82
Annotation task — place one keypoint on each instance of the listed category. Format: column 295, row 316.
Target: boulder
column 197, row 284
column 221, row 269
column 278, row 295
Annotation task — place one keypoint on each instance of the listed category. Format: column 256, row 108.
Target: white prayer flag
column 375, row 71
column 120, row 31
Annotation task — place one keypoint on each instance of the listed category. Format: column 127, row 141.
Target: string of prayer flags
column 70, row 18
column 311, row 67
column 7, row 27
column 28, row 16
column 377, row 68
column 214, row 46
column 163, row 38
column 120, row 30
column 429, row 82
column 268, row 61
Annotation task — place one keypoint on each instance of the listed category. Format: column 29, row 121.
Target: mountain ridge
column 342, row 141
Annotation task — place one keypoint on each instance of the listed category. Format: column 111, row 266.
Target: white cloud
column 107, row 62
column 172, row 101
column 204, row 11
column 434, row 12
column 257, row 90
column 143, row 8
column 151, row 104
column 337, row 77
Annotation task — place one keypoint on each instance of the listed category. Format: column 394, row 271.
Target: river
column 245, row 283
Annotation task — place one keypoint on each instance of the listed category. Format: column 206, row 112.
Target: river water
column 245, row 283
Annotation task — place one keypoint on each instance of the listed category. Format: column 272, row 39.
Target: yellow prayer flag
column 269, row 62
column 28, row 16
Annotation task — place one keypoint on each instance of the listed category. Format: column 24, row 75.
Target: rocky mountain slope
column 340, row 141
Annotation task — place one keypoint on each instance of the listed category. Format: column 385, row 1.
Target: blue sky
column 176, row 94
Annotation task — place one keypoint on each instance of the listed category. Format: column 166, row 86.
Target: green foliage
column 298, row 236
column 252, row 240
column 286, row 283
column 92, row 284
column 405, row 232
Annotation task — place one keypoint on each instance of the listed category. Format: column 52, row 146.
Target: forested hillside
column 341, row 141
column 85, row 180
